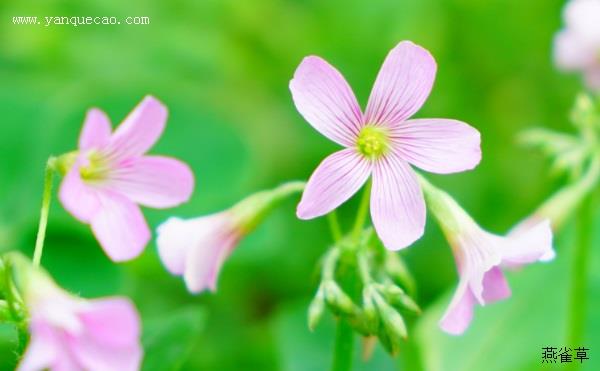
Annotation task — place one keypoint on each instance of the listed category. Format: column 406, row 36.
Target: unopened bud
column 337, row 299
column 392, row 320
column 369, row 310
column 397, row 297
column 316, row 309
column 396, row 268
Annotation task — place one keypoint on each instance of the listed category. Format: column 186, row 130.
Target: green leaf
column 169, row 339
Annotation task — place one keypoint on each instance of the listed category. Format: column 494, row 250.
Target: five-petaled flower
column 70, row 333
column 577, row 46
column 381, row 142
column 111, row 175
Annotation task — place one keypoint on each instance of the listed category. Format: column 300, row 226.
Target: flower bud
column 316, row 309
column 369, row 310
column 337, row 299
column 397, row 297
column 392, row 320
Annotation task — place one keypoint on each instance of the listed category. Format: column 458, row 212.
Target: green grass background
column 223, row 68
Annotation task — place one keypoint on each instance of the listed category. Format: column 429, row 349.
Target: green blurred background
column 222, row 68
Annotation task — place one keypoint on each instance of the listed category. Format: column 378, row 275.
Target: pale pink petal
column 96, row 130
column 581, row 16
column 113, row 322
column 77, row 197
column 334, row 181
column 495, row 286
column 592, row 75
column 437, row 145
column 325, row 100
column 139, row 131
column 41, row 352
column 94, row 356
column 459, row 314
column 120, row 227
column 402, row 86
column 397, row 204
column 175, row 237
column 527, row 245
column 572, row 52
column 153, row 181
column 205, row 260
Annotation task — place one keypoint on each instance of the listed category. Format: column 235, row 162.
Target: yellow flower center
column 373, row 142
column 97, row 169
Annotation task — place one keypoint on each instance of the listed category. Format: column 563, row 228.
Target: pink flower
column 68, row 333
column 197, row 248
column 111, row 176
column 381, row 142
column 577, row 46
column 479, row 257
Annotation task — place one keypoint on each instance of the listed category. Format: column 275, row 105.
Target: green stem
column 334, row 226
column 580, row 270
column 344, row 347
column 47, row 197
column 363, row 211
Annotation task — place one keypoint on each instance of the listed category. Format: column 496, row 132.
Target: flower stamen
column 373, row 142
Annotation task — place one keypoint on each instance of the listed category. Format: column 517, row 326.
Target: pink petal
column 527, row 244
column 326, row 101
column 120, row 227
column 96, row 130
column 334, row 181
column 111, row 337
column 402, row 86
column 91, row 355
column 140, row 129
column 438, row 145
column 41, row 352
column 592, row 76
column 459, row 314
column 78, row 198
column 397, row 204
column 113, row 322
column 153, row 181
column 175, row 237
column 572, row 52
column 206, row 257
column 495, row 286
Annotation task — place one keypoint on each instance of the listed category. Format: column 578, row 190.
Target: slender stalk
column 579, row 275
column 362, row 213
column 344, row 338
column 46, row 198
column 343, row 352
column 334, row 226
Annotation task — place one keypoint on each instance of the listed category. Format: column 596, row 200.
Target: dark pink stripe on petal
column 402, row 85
column 438, row 145
column 397, row 204
column 334, row 181
column 326, row 101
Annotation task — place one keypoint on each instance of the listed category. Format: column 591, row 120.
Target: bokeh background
column 223, row 68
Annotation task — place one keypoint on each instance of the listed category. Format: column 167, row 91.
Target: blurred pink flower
column 479, row 257
column 381, row 142
column 577, row 46
column 111, row 175
column 68, row 333
column 197, row 248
